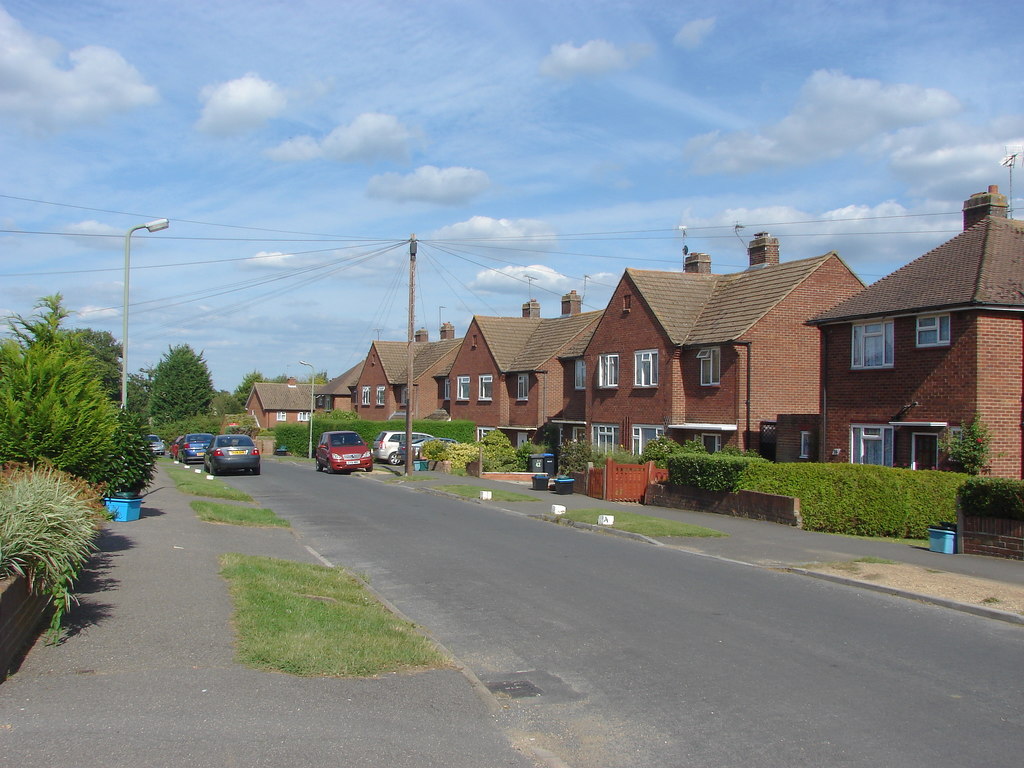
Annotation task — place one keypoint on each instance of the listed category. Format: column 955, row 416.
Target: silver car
column 386, row 445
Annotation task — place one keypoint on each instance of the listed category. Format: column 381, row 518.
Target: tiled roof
column 281, row 397
column 340, row 385
column 394, row 356
column 982, row 266
column 524, row 343
column 429, row 353
column 709, row 309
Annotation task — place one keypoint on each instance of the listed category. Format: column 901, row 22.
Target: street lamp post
column 312, row 403
column 153, row 226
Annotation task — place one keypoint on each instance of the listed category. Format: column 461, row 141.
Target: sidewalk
column 146, row 676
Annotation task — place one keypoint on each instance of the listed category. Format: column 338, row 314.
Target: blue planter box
column 124, row 510
column 940, row 540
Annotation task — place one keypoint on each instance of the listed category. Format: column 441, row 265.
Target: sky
column 532, row 148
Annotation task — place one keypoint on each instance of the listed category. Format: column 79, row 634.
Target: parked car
column 156, row 445
column 386, row 444
column 344, row 452
column 417, row 445
column 175, row 448
column 232, row 453
column 192, row 447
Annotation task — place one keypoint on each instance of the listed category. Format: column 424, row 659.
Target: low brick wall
column 993, row 536
column 750, row 504
column 21, row 614
column 508, row 477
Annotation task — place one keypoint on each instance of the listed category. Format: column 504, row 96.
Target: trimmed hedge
column 712, row 472
column 993, row 497
column 296, row 436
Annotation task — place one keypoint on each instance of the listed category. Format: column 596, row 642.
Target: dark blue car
column 193, row 447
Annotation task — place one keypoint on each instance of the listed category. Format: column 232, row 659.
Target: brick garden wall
column 21, row 614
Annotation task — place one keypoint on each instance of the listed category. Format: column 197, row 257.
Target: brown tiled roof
column 524, row 343
column 429, row 353
column 281, row 397
column 710, row 309
column 983, row 266
column 341, row 385
column 394, row 356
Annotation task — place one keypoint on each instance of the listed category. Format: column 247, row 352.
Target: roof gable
column 282, row 397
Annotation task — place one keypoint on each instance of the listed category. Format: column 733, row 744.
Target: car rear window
column 199, row 436
column 242, row 441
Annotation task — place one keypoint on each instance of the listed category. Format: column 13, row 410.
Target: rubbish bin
column 542, row 463
column 540, row 482
column 942, row 540
column 563, row 486
column 549, row 463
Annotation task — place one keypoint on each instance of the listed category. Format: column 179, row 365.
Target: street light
column 312, row 400
column 153, row 226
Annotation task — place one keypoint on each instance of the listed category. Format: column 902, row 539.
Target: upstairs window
column 645, row 368
column 873, row 345
column 523, row 386
column 380, row 395
column 933, row 331
column 365, row 396
column 581, row 373
column 608, row 371
column 710, row 366
column 462, row 388
column 447, row 389
column 486, row 386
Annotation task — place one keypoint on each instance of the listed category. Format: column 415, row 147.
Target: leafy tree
column 139, row 386
column 242, row 390
column 182, row 386
column 224, row 402
column 105, row 352
column 970, row 447
column 45, row 328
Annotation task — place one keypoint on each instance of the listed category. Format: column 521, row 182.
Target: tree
column 242, row 390
column 182, row 386
column 105, row 352
column 970, row 447
column 224, row 402
column 45, row 328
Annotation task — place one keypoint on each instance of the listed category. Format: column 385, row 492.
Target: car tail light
column 218, row 452
column 255, row 451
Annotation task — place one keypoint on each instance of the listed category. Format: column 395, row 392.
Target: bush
column 499, row 455
column 131, row 467
column 435, row 450
column 712, row 472
column 48, row 525
column 460, row 454
column 574, row 455
column 660, row 450
column 992, row 497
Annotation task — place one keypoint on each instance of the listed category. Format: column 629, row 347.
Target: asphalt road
column 635, row 655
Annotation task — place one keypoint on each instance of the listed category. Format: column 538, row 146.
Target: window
column 486, row 386
column 403, row 394
column 380, row 395
column 872, row 345
column 870, row 445
column 933, row 331
column 303, row 415
column 627, row 302
column 366, row 396
column 581, row 373
column 710, row 366
column 642, row 435
column 282, row 415
column 481, row 431
column 447, row 389
column 712, row 441
column 805, row 445
column 462, row 387
column 608, row 371
column 523, row 386
column 645, row 368
column 606, row 436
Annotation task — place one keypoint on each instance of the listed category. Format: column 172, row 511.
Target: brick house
column 926, row 348
column 271, row 403
column 380, row 392
column 338, row 393
column 717, row 358
column 509, row 373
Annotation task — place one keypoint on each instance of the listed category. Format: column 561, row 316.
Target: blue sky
column 532, row 147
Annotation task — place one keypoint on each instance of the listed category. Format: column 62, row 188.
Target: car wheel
column 255, row 470
column 319, row 466
column 394, row 459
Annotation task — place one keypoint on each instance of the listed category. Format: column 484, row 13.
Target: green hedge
column 712, row 472
column 993, row 497
column 296, row 436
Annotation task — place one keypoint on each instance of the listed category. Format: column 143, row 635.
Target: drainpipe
column 823, row 374
column 746, row 439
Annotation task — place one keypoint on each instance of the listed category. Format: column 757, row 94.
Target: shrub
column 460, row 454
column 499, row 455
column 970, row 447
column 660, row 450
column 48, row 525
column 132, row 464
column 435, row 450
column 523, row 454
column 574, row 456
column 992, row 497
column 712, row 472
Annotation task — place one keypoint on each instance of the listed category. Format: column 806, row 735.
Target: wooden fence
column 623, row 482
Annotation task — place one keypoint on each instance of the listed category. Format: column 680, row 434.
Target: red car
column 343, row 452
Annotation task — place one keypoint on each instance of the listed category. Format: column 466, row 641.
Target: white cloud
column 513, row 278
column 92, row 312
column 430, row 184
column 595, row 57
column 835, row 113
column 486, row 228
column 37, row 90
column 692, row 34
column 240, row 105
column 97, row 235
column 372, row 136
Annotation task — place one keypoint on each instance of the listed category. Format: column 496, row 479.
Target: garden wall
column 993, row 536
column 21, row 613
column 751, row 504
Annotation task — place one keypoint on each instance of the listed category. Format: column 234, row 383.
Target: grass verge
column 232, row 514
column 473, row 492
column 198, row 485
column 655, row 527
column 313, row 621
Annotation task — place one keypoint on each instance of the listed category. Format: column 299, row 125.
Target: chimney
column 420, row 335
column 531, row 308
column 447, row 331
column 292, row 382
column 697, row 263
column 982, row 204
column 763, row 250
column 572, row 302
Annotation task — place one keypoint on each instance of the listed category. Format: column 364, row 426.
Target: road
column 637, row 655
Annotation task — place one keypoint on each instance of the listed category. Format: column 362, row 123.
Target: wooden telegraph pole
column 409, row 355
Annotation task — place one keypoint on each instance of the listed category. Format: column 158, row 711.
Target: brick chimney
column 763, row 250
column 292, row 382
column 697, row 263
column 531, row 308
column 982, row 204
column 572, row 303
column 420, row 335
column 447, row 331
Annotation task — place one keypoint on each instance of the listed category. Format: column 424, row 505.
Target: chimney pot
column 981, row 205
column 763, row 250
column 447, row 331
column 421, row 335
column 697, row 263
column 572, row 303
column 531, row 308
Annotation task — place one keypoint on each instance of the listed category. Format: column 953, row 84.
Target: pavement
column 146, row 672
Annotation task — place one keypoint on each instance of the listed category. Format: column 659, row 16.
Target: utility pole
column 409, row 355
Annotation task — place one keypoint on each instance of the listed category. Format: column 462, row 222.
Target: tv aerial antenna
column 1013, row 156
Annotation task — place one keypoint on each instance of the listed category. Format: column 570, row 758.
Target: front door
column 925, row 451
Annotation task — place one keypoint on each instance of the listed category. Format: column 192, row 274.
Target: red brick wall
column 1000, row 396
column 473, row 360
column 373, row 376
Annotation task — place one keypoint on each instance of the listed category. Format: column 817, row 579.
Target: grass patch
column 313, row 621
column 655, row 527
column 198, row 485
column 232, row 514
column 880, row 560
column 473, row 492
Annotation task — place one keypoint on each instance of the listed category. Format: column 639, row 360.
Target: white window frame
column 871, row 345
column 710, row 366
column 608, row 370
column 303, row 416
column 282, row 415
column 715, row 438
column 605, row 436
column 645, row 368
column 481, row 431
column 381, row 394
column 446, row 389
column 462, row 388
column 639, row 441
column 580, row 373
column 932, row 331
column 485, row 391
column 876, row 437
column 805, row 445
column 366, row 396
column 523, row 387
